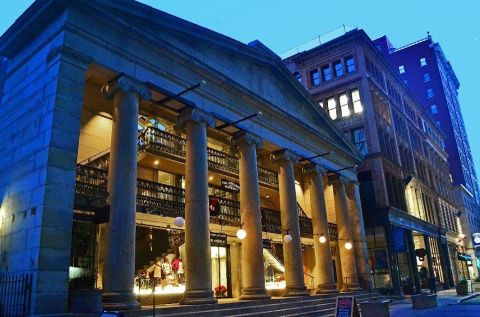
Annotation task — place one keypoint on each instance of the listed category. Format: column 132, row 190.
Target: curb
column 461, row 300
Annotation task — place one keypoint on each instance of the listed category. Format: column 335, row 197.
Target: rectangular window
column 332, row 108
column 401, row 69
column 326, row 73
column 360, row 140
column 426, row 77
column 434, row 109
column 314, row 77
column 423, row 61
column 357, row 103
column 344, row 105
column 338, row 66
column 430, row 93
column 350, row 63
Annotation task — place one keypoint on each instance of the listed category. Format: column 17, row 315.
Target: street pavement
column 449, row 305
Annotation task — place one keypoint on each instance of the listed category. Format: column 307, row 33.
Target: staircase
column 315, row 305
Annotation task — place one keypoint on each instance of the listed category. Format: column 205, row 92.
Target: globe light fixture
column 287, row 238
column 241, row 234
column 322, row 238
column 348, row 245
column 179, row 222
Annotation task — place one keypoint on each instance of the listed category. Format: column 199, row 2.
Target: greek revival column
column 358, row 230
column 253, row 270
column 292, row 251
column 344, row 228
column 119, row 264
column 323, row 252
column 198, row 266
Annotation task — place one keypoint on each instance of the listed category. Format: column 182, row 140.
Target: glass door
column 220, row 272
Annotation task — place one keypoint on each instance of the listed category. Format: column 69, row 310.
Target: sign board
column 218, row 239
column 346, row 307
column 231, row 186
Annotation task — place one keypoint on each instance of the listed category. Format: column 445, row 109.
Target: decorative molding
column 313, row 169
column 337, row 179
column 248, row 138
column 284, row 155
column 196, row 115
column 126, row 84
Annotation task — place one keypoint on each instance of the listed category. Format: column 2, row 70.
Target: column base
column 299, row 290
column 113, row 301
column 327, row 289
column 351, row 287
column 198, row 297
column 254, row 293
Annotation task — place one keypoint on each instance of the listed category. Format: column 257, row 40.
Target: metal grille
column 15, row 291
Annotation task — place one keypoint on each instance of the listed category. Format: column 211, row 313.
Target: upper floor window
column 350, row 62
column 423, row 61
column 320, row 103
column 360, row 140
column 338, row 66
column 298, row 76
column 326, row 73
column 401, row 69
column 430, row 93
column 433, row 109
column 426, row 77
column 357, row 103
column 332, row 108
column 314, row 77
column 344, row 105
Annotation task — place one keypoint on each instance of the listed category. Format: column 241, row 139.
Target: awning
column 464, row 257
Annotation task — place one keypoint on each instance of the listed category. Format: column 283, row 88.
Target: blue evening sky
column 283, row 24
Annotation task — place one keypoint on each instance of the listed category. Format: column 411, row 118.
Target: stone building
column 139, row 149
column 407, row 198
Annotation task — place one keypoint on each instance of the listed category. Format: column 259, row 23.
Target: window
column 430, row 93
column 357, row 103
column 344, row 105
column 320, row 103
column 332, row 108
column 433, row 109
column 426, row 77
column 326, row 73
column 360, row 140
column 401, row 69
column 423, row 61
column 298, row 76
column 337, row 65
column 350, row 62
column 314, row 77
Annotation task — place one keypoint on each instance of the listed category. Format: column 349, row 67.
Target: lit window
column 314, row 77
column 357, row 103
column 326, row 73
column 337, row 65
column 350, row 62
column 401, row 69
column 298, row 76
column 430, row 93
column 332, row 108
column 433, row 109
column 423, row 61
column 320, row 103
column 344, row 105
column 426, row 77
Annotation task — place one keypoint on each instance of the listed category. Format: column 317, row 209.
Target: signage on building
column 346, row 307
column 231, row 186
column 218, row 239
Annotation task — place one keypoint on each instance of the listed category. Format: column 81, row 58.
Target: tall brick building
column 408, row 201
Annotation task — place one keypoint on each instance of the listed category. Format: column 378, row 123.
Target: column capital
column 337, row 179
column 248, row 138
column 283, row 156
column 313, row 168
column 196, row 115
column 126, row 84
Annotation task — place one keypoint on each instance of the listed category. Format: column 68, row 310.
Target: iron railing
column 15, row 292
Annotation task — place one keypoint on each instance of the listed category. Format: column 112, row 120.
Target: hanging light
column 179, row 221
column 287, row 238
column 241, row 234
column 348, row 245
column 322, row 238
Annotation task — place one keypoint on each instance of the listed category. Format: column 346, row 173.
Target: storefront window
column 274, row 270
column 219, row 271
